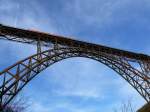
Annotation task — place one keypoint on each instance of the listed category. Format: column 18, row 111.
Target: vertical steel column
column 39, row 56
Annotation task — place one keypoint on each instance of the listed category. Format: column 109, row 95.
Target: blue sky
column 78, row 84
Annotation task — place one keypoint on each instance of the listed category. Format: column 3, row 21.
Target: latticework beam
column 133, row 67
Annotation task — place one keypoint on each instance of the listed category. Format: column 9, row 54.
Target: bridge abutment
column 145, row 108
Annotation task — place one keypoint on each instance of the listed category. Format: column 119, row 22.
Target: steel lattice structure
column 133, row 67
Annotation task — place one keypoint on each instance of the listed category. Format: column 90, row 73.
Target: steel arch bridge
column 133, row 67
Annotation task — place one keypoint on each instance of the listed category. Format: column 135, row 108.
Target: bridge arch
column 18, row 75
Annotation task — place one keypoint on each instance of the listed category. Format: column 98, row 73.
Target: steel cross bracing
column 133, row 67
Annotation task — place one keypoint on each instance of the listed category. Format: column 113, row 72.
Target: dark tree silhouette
column 126, row 107
column 19, row 104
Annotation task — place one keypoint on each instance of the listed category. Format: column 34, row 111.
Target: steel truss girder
column 18, row 75
column 14, row 78
column 32, row 37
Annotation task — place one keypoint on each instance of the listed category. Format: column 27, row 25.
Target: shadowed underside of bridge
column 133, row 67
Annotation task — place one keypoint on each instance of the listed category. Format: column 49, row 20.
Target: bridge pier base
column 145, row 108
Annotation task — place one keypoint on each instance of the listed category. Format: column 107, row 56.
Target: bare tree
column 126, row 107
column 19, row 104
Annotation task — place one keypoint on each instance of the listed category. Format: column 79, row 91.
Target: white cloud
column 23, row 15
column 37, row 107
column 26, row 15
column 7, row 5
column 88, row 79
column 96, row 12
column 64, row 107
column 83, row 79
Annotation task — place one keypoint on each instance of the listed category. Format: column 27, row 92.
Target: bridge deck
column 22, row 34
